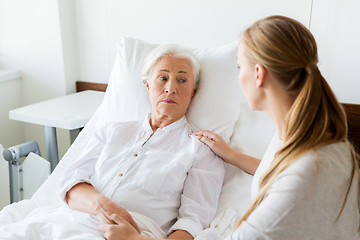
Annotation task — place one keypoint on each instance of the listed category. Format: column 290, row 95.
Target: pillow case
column 215, row 106
column 252, row 133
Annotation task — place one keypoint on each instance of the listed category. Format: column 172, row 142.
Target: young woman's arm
column 222, row 149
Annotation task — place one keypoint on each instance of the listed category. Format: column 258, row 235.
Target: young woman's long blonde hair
column 288, row 50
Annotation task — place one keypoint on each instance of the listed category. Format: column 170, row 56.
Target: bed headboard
column 82, row 86
column 352, row 112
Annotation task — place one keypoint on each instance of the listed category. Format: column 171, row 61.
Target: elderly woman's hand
column 105, row 205
column 216, row 143
column 119, row 229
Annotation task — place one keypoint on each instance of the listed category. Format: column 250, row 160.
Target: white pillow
column 252, row 132
column 215, row 106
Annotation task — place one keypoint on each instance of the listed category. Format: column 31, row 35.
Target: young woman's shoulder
column 336, row 156
column 314, row 187
column 333, row 159
column 318, row 172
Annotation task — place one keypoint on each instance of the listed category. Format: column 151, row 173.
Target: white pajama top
column 171, row 178
column 303, row 204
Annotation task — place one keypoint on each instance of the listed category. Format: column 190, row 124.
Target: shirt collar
column 170, row 127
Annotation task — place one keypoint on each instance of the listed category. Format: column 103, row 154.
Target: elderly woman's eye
column 182, row 80
column 163, row 78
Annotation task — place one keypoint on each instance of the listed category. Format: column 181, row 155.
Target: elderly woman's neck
column 160, row 121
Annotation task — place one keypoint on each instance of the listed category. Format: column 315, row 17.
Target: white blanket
column 60, row 222
column 51, row 219
column 53, row 222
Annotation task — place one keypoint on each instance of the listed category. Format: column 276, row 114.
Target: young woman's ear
column 260, row 72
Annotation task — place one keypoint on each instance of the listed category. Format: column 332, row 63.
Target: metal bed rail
column 13, row 155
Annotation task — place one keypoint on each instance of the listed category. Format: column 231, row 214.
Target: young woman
column 307, row 184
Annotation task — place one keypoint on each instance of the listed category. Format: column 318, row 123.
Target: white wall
column 336, row 26
column 31, row 42
column 11, row 132
column 200, row 23
column 93, row 42
column 205, row 23
column 69, row 43
column 4, row 181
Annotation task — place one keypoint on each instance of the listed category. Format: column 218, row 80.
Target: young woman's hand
column 222, row 149
column 119, row 229
column 216, row 143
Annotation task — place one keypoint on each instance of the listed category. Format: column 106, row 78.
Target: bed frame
column 352, row 112
column 82, row 86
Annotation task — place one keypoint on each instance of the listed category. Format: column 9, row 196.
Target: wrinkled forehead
column 173, row 63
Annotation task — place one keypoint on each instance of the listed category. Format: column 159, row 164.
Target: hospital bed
column 218, row 106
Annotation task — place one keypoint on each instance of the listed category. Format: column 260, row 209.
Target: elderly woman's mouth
column 168, row 101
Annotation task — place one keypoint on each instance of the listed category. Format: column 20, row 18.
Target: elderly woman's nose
column 170, row 87
column 170, row 90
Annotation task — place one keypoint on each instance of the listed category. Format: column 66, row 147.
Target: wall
column 4, row 181
column 31, row 42
column 11, row 132
column 200, row 23
column 203, row 23
column 335, row 25
column 69, row 43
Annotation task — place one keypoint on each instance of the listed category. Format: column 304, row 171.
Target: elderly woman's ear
column 194, row 93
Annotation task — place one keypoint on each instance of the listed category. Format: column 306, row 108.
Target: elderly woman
column 153, row 167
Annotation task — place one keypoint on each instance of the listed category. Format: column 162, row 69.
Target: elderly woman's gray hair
column 169, row 49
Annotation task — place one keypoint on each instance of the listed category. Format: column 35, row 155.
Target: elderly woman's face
column 171, row 86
